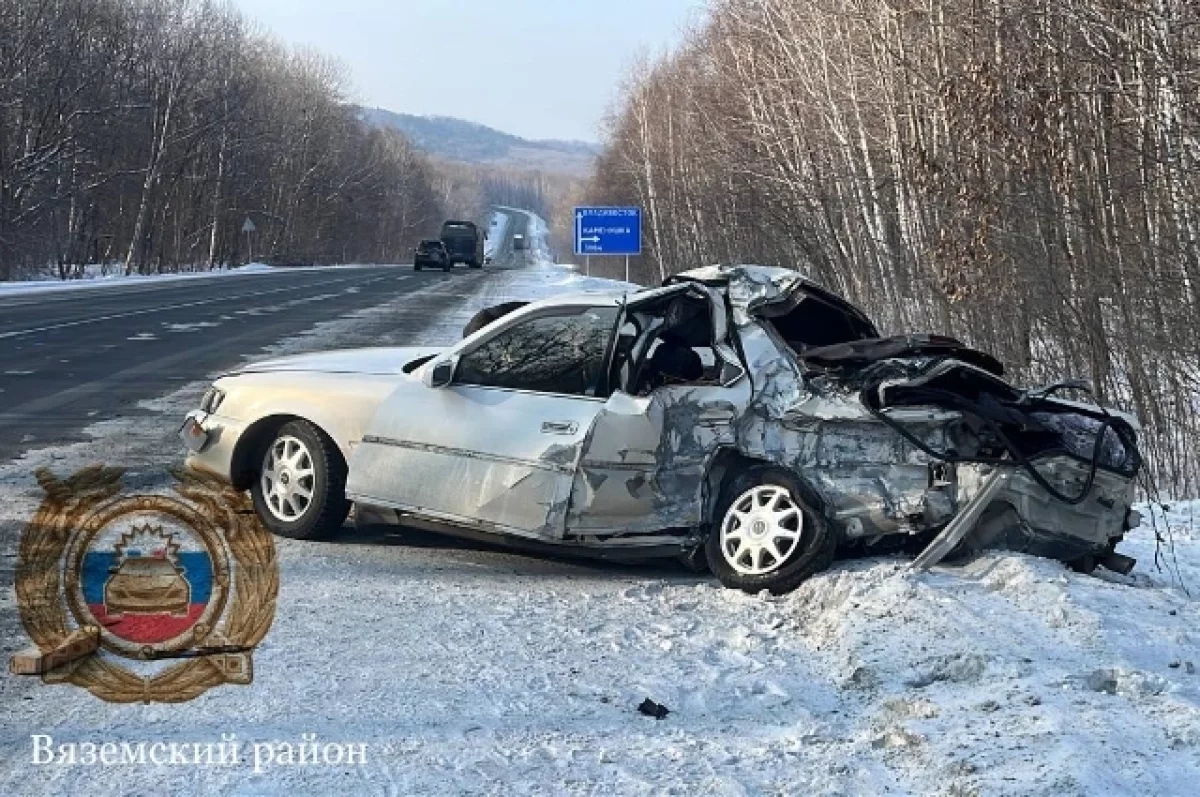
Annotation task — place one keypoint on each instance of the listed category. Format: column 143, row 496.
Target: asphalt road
column 74, row 357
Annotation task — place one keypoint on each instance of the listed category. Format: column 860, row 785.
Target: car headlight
column 212, row 399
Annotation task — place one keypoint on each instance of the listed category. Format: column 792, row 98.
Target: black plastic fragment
column 652, row 709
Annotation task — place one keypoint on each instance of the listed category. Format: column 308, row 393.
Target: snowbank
column 94, row 278
column 536, row 236
column 496, row 233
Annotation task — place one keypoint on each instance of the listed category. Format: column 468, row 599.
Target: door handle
column 715, row 417
column 559, row 427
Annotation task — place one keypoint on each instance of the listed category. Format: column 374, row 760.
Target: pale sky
column 536, row 68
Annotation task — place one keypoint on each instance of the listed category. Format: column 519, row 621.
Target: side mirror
column 440, row 374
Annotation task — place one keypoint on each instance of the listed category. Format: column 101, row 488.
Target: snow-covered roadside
column 468, row 671
column 537, row 236
column 496, row 233
column 95, row 279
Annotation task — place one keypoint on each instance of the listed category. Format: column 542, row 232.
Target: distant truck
column 464, row 242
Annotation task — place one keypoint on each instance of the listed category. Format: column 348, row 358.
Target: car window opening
column 666, row 343
column 813, row 324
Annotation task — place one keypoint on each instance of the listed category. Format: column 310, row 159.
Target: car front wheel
column 300, row 491
column 767, row 534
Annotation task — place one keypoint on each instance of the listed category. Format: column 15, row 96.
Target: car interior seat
column 672, row 362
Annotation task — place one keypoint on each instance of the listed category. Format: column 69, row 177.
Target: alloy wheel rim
column 288, row 479
column 761, row 530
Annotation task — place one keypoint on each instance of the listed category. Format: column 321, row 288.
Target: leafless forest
column 142, row 133
column 1021, row 174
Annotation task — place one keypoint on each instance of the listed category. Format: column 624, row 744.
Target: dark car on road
column 432, row 254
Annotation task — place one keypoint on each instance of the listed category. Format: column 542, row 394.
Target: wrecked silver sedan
column 741, row 418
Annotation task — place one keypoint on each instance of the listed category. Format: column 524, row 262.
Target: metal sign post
column 608, row 231
column 249, row 229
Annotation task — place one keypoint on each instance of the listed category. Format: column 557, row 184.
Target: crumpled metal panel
column 1078, row 433
column 645, row 465
column 748, row 287
column 871, row 480
column 646, row 458
column 1028, row 519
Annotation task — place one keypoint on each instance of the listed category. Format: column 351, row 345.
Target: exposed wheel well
column 248, row 453
column 728, row 462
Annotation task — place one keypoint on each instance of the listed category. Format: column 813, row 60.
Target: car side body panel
column 338, row 404
column 480, row 456
column 645, row 462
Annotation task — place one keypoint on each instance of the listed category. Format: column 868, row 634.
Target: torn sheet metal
column 646, row 459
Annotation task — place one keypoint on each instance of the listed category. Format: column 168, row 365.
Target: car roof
column 580, row 299
column 747, row 286
column 752, row 286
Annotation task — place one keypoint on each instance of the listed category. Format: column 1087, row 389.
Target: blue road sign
column 608, row 231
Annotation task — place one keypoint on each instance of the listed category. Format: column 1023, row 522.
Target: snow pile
column 94, row 278
column 496, row 233
column 1013, row 674
column 256, row 268
column 469, row 670
column 537, row 233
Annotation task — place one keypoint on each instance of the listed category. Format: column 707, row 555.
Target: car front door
column 496, row 447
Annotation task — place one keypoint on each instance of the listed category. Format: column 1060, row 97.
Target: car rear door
column 643, row 466
column 496, row 448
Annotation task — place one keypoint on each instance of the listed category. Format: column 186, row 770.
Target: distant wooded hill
column 453, row 139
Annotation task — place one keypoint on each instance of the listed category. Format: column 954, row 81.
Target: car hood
column 381, row 361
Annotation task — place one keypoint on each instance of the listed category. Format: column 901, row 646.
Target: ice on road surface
column 467, row 670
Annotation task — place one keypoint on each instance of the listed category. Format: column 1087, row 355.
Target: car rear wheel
column 767, row 534
column 417, row 266
column 300, row 491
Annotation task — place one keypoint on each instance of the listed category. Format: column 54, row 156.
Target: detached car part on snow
column 739, row 415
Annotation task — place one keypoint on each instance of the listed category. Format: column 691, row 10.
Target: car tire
column 767, row 533
column 417, row 267
column 302, row 459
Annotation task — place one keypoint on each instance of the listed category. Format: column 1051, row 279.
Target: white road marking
column 189, row 327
